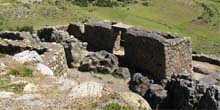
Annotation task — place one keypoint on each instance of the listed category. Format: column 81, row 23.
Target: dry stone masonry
column 52, row 54
column 158, row 65
column 157, row 54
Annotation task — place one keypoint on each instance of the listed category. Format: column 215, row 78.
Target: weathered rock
column 27, row 56
column 184, row 92
column 156, row 95
column 206, row 58
column 102, row 62
column 30, row 88
column 4, row 95
column 157, row 54
column 66, row 84
column 202, row 69
column 51, row 34
column 89, row 89
column 122, row 72
column 33, row 103
column 75, row 51
column 29, row 97
column 45, row 70
column 77, row 30
column 211, row 99
column 45, row 34
column 139, row 84
column 100, row 35
column 135, row 100
column 16, row 35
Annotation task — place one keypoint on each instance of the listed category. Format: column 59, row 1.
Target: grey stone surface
column 28, row 97
column 27, row 57
column 89, row 89
column 77, row 30
column 202, row 69
column 4, row 95
column 135, row 100
column 75, row 51
column 157, row 54
column 45, row 70
column 139, row 84
column 122, row 72
column 100, row 35
column 184, row 92
column 211, row 99
column 207, row 58
column 30, row 87
column 156, row 95
column 102, row 62
column 15, row 35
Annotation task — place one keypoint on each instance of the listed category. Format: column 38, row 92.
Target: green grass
column 21, row 71
column 116, row 106
column 5, row 85
column 2, row 55
column 197, row 19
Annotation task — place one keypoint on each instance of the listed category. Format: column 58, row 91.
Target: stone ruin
column 53, row 55
column 159, row 64
column 157, row 54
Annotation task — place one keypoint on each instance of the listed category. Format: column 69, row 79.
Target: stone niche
column 99, row 35
column 157, row 54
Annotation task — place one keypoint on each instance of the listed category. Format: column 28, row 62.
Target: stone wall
column 178, row 56
column 55, row 59
column 100, row 35
column 53, row 55
column 144, row 52
column 15, row 35
column 206, row 58
column 156, row 54
column 77, row 30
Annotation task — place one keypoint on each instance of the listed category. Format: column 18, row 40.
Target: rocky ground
column 55, row 93
column 55, row 71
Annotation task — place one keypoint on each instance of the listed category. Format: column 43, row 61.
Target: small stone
column 122, row 72
column 89, row 89
column 30, row 88
column 27, row 56
column 29, row 97
column 4, row 95
column 2, row 65
column 45, row 70
column 135, row 100
column 66, row 83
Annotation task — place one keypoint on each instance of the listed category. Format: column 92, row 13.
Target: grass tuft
column 2, row 55
column 21, row 71
column 6, row 86
column 116, row 106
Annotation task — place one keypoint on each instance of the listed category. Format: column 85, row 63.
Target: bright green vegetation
column 21, row 71
column 5, row 85
column 197, row 19
column 116, row 106
column 2, row 55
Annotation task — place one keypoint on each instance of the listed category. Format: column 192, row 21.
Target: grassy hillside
column 198, row 19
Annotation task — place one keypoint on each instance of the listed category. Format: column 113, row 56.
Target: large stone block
column 99, row 35
column 77, row 30
column 157, row 54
